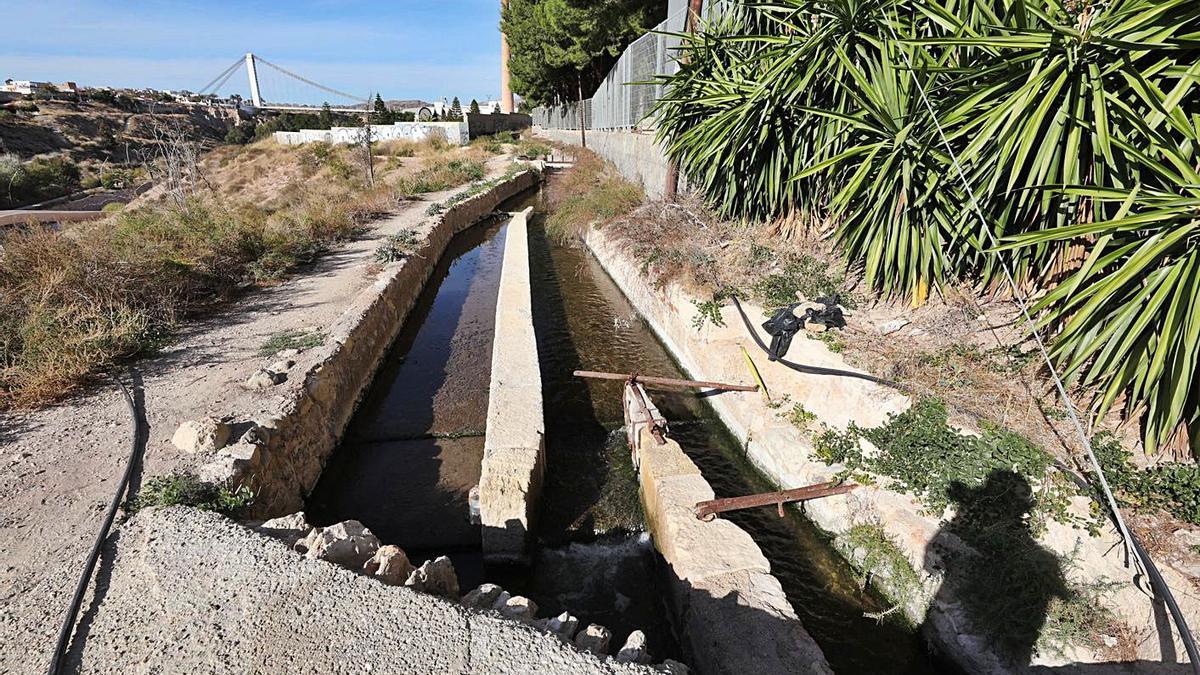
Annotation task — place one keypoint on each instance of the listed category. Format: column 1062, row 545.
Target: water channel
column 414, row 448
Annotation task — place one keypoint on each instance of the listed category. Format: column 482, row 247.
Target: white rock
column 520, row 607
column 247, row 452
column 347, row 543
column 281, row 366
column 892, row 326
column 483, row 597
column 594, row 639
column 435, row 576
column 202, row 435
column 675, row 668
column 390, row 564
column 287, row 353
column 263, row 378
column 224, row 471
column 634, row 649
column 290, row 528
column 564, row 626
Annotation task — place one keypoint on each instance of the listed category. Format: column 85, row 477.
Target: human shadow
column 998, row 583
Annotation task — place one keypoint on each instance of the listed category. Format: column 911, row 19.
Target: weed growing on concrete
column 185, row 489
column 800, row 417
column 591, row 193
column 924, row 456
column 291, row 339
column 881, row 562
column 396, row 247
column 708, row 311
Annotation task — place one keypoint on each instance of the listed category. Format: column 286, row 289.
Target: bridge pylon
column 252, row 73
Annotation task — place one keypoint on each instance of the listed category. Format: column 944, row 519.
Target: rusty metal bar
column 656, row 429
column 708, row 510
column 664, row 381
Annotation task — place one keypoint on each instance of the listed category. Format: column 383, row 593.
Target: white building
column 24, row 86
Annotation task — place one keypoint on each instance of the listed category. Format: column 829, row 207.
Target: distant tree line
column 558, row 48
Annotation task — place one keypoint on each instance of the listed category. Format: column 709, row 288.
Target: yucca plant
column 1065, row 128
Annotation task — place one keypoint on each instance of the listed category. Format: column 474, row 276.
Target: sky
column 426, row 49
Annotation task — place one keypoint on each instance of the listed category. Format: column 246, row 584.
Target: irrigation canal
column 414, row 448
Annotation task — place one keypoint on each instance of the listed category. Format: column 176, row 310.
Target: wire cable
column 305, row 80
column 224, row 74
column 1139, row 554
column 68, row 624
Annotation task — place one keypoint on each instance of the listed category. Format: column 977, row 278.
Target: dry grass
column 592, row 193
column 75, row 301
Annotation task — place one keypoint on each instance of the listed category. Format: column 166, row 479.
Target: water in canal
column 414, row 449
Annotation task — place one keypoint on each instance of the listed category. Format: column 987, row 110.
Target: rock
column 892, row 326
column 473, row 505
column 634, row 649
column 202, row 435
column 290, row 528
column 594, row 639
column 564, row 626
column 263, row 378
column 246, row 452
column 483, row 597
column 281, row 366
column 224, row 471
column 520, row 608
column 435, row 576
column 347, row 543
column 287, row 353
column 390, row 564
column 501, row 601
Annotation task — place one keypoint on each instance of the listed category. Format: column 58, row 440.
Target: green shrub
column 806, row 275
column 23, row 183
column 185, row 489
column 397, row 247
column 1171, row 486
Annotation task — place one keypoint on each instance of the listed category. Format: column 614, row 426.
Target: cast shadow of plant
column 997, row 579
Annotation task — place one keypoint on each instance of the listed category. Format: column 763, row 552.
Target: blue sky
column 400, row 48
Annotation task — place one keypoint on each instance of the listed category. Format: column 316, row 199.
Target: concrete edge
column 514, row 445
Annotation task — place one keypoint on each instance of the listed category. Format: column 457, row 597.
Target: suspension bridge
column 285, row 88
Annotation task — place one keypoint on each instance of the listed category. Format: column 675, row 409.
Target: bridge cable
column 1139, row 554
column 135, row 451
column 225, row 74
column 308, row 81
column 220, row 84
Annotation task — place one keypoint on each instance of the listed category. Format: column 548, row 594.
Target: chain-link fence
column 628, row 92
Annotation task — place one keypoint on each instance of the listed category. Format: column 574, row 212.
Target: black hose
column 68, row 625
column 1162, row 590
column 810, row 370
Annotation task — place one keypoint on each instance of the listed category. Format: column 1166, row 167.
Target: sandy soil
column 60, row 465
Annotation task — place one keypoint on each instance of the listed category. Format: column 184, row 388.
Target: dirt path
column 59, row 466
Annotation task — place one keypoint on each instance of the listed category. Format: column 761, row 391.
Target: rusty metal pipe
column 665, row 381
column 708, row 510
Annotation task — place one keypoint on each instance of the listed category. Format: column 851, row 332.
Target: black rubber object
column 810, row 370
column 68, row 625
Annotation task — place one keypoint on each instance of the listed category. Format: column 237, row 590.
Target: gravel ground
column 189, row 591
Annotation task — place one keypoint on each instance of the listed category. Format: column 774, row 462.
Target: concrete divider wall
column 514, row 452
column 481, row 124
column 732, row 613
column 785, row 455
column 306, row 428
column 635, row 154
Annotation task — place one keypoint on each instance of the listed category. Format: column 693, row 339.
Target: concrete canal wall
column 731, row 612
column 514, row 446
column 297, row 435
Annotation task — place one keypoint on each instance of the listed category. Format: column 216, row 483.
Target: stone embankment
column 281, row 452
column 785, row 455
column 190, row 591
column 732, row 613
column 514, row 447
